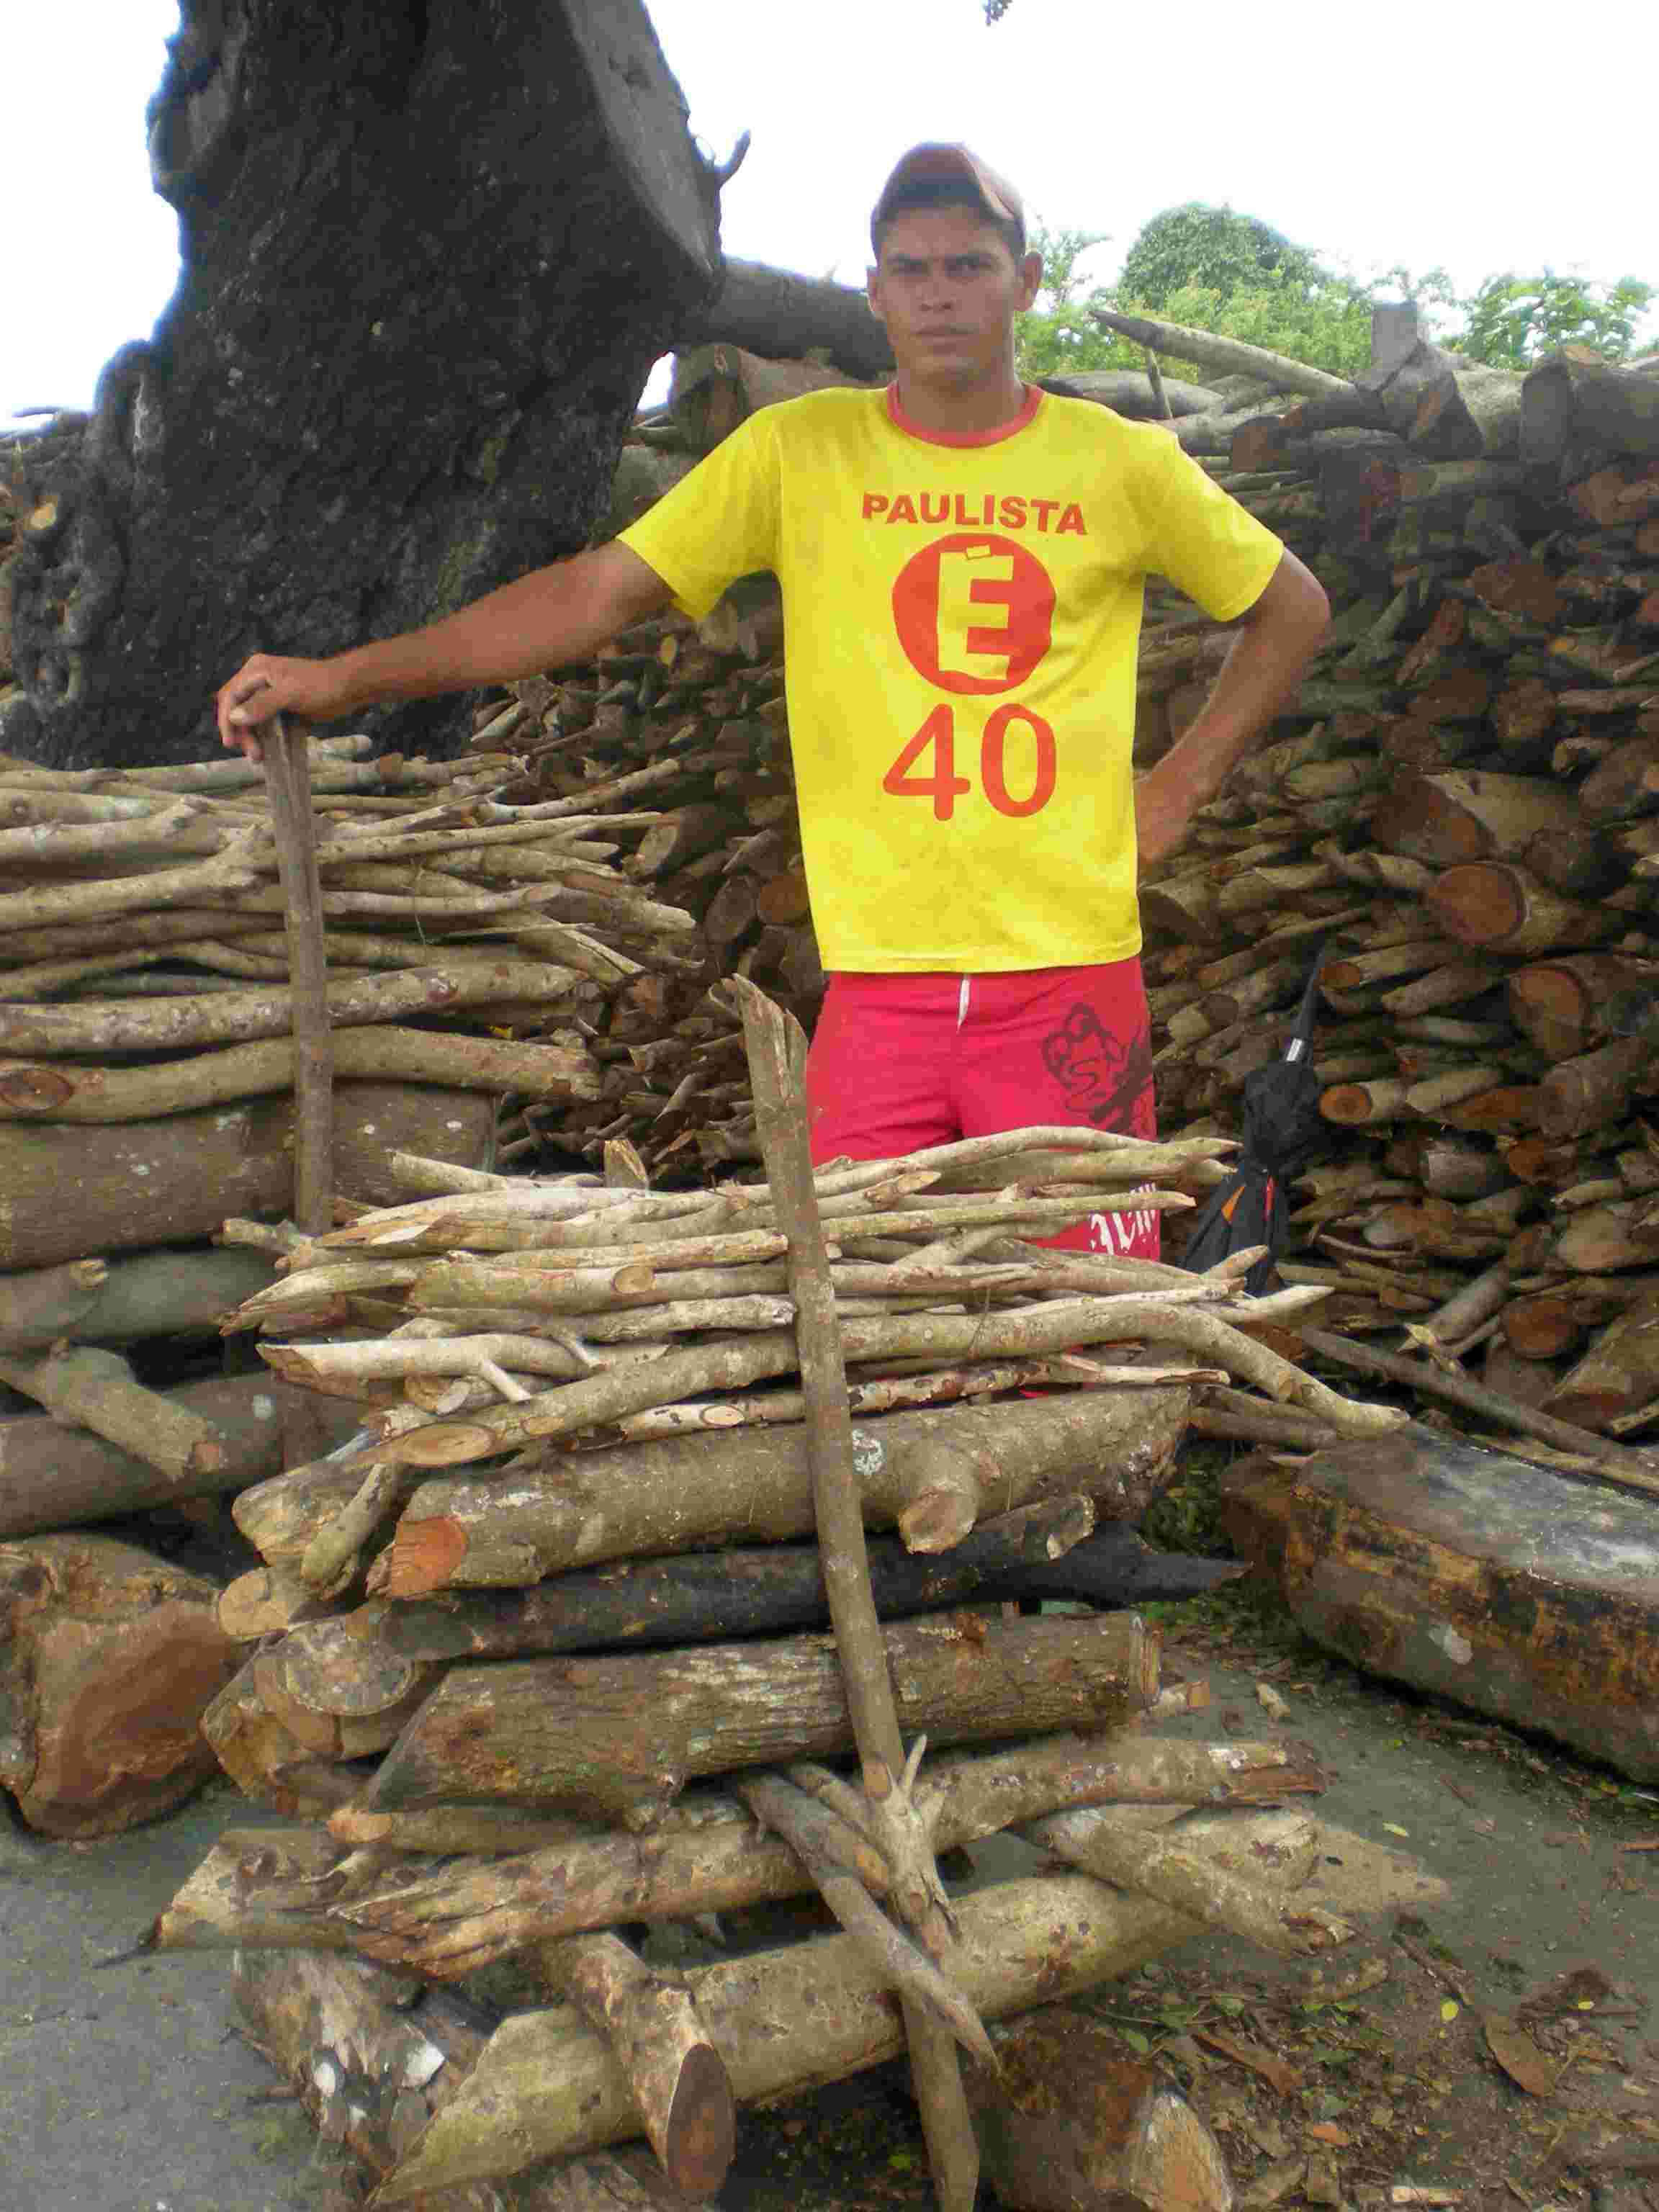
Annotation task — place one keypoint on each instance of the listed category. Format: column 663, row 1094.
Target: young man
column 962, row 559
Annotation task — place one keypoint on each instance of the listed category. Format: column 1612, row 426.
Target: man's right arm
column 550, row 617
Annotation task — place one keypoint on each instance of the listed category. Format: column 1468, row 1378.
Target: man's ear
column 872, row 292
column 1030, row 279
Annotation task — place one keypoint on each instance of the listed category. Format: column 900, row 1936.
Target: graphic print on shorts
column 1107, row 1080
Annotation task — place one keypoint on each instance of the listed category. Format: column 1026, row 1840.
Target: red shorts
column 901, row 1062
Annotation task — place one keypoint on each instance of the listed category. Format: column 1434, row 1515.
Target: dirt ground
column 127, row 2089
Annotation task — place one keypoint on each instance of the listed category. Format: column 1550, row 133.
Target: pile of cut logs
column 146, row 1065
column 1456, row 819
column 525, row 1800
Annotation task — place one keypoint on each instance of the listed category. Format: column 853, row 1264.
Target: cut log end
column 701, row 2133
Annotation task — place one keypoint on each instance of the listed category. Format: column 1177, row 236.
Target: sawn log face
column 1482, row 1577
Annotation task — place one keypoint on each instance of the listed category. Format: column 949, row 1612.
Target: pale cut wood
column 245, row 1016
column 62, row 1090
column 1062, row 1325
column 1156, row 1863
column 84, row 1387
column 287, row 790
column 1224, row 356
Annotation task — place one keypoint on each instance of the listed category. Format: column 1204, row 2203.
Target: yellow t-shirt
column 961, row 621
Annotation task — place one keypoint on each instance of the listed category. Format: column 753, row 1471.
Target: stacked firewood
column 145, row 976
column 544, row 1702
column 145, row 1068
column 1455, row 810
column 1456, row 819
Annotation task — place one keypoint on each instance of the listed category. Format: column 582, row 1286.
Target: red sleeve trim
column 992, row 437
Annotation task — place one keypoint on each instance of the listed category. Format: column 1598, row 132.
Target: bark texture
column 429, row 255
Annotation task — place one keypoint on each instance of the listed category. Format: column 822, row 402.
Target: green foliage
column 1235, row 275
column 1057, row 337
column 1215, row 248
column 1510, row 321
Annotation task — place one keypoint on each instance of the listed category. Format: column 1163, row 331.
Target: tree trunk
column 1559, row 1004
column 932, row 1473
column 1445, row 819
column 85, row 1387
column 1476, row 1576
column 70, row 1190
column 1574, row 399
column 261, row 1887
column 1618, row 1374
column 372, row 2058
column 619, row 1738
column 784, row 317
column 1493, row 906
column 680, row 2086
column 426, row 422
column 108, row 1660
column 1070, row 2125
column 763, row 1591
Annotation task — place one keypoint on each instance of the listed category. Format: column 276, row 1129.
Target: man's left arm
column 1277, row 637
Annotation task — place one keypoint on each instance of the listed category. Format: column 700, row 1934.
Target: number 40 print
column 935, row 744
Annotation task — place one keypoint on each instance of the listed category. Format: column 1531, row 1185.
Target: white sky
column 1421, row 137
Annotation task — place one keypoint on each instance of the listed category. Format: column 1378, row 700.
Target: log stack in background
column 1460, row 814
column 1458, row 809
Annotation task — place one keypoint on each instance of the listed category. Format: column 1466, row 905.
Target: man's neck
column 954, row 411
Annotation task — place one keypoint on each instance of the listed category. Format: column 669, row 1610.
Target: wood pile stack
column 1458, row 815
column 498, row 1707
column 146, row 1067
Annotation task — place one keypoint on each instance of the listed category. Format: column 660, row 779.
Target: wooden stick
column 288, row 787
column 777, row 1059
column 95, row 1389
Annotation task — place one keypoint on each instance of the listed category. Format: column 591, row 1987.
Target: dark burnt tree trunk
column 430, row 251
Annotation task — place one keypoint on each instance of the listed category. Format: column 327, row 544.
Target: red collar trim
column 992, row 437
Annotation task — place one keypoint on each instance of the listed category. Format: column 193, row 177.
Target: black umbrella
column 1283, row 1130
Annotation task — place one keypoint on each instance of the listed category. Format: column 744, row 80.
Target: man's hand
column 266, row 686
column 562, row 613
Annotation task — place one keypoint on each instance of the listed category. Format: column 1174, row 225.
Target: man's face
column 946, row 290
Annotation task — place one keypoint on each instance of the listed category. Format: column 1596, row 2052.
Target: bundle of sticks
column 145, row 976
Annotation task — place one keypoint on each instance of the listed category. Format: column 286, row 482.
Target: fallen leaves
column 1270, row 1702
column 1277, row 2072
column 1527, row 2066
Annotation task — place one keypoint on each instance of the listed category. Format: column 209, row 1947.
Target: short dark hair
column 937, row 192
